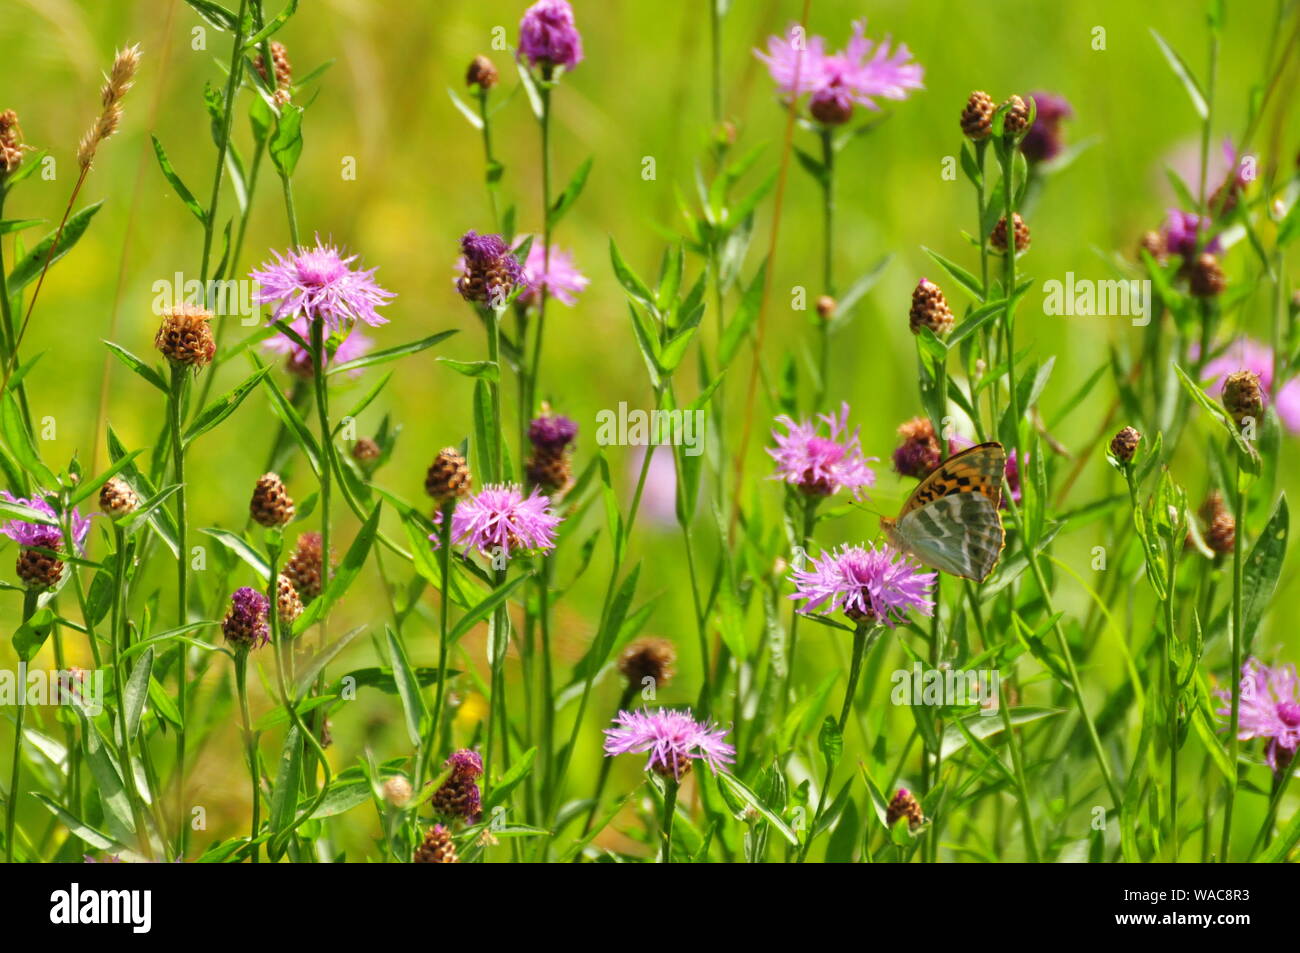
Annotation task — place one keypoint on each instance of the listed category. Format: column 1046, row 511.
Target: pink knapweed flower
column 42, row 535
column 865, row 583
column 319, row 284
column 821, row 465
column 500, row 517
column 1270, row 708
column 673, row 739
column 560, row 279
column 548, row 36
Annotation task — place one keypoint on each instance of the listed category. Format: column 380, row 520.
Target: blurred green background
column 643, row 90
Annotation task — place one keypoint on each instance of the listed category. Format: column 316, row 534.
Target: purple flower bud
column 548, row 36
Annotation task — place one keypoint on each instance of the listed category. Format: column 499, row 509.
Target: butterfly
column 951, row 521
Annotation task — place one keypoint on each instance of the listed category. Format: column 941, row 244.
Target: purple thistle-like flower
column 501, row 516
column 318, row 284
column 854, row 75
column 246, row 623
column 552, row 431
column 299, row 361
column 865, row 583
column 465, row 763
column 821, row 465
column 1044, row 140
column 41, row 535
column 673, row 739
column 561, row 279
column 490, row 270
column 548, row 36
column 1270, row 708
column 1181, row 234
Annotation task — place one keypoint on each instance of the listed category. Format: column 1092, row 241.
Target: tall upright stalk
column 15, row 772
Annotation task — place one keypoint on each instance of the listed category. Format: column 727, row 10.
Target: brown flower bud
column 905, row 805
column 437, row 848
column 825, row 307
column 1205, row 278
column 1243, row 397
column 929, row 309
column 481, row 73
column 1016, row 119
column 977, row 116
column 116, row 498
column 998, row 237
column 271, row 505
column 648, row 658
column 288, row 604
column 1124, row 444
column 448, row 477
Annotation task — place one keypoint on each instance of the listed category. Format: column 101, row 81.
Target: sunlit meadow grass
column 586, row 433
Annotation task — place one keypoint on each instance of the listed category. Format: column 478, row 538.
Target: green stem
column 444, row 608
column 1234, row 744
column 671, row 786
column 176, row 403
column 11, row 808
column 809, row 522
column 232, row 85
column 250, row 746
column 118, row 637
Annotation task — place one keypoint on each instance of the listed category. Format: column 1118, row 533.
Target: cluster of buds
column 1020, row 234
column 283, row 72
column 271, row 505
column 245, row 625
column 458, row 796
column 481, row 73
column 920, row 453
column 492, row 272
column 305, row 567
column 648, row 657
column 116, row 498
column 11, row 143
column 929, row 309
column 448, row 478
column 905, row 805
column 119, row 82
column 1124, row 444
column 185, row 337
column 552, row 438
column 437, row 848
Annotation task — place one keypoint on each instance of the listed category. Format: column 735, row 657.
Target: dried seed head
column 1124, row 444
column 977, row 116
column 1205, row 278
column 905, row 805
column 437, row 848
column 185, row 337
column 120, row 78
column 271, row 505
column 448, row 478
column 11, row 143
column 648, row 658
column 304, row 567
column 920, row 453
column 929, row 309
column 825, row 307
column 116, row 498
column 288, row 604
column 365, row 451
column 38, row 571
column 998, row 237
column 481, row 73
column 397, row 791
column 1243, row 397
column 1016, row 119
column 549, row 470
column 1220, row 527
